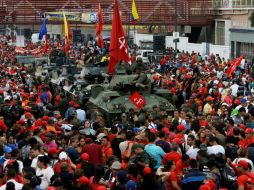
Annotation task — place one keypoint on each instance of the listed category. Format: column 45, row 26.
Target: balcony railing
column 246, row 4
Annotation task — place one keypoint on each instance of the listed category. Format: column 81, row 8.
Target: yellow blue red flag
column 134, row 16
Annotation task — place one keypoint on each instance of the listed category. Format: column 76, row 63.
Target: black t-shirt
column 115, row 146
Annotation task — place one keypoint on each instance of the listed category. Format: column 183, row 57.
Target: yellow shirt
column 207, row 108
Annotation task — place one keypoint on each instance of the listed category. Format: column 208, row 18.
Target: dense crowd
column 50, row 142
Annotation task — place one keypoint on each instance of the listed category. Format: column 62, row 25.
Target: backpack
column 152, row 161
column 228, row 178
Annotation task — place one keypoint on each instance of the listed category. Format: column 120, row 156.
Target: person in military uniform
column 141, row 81
column 139, row 65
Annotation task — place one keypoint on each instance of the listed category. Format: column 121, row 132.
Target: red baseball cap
column 209, row 98
column 248, row 131
column 243, row 163
column 76, row 106
column 237, row 102
column 83, row 180
column 242, row 126
column 181, row 127
column 45, row 118
column 58, row 116
column 147, row 171
column 51, row 188
column 85, row 156
column 71, row 103
column 53, row 151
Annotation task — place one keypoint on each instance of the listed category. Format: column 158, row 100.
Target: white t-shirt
column 18, row 186
column 81, row 115
column 45, row 175
column 192, row 152
column 19, row 162
column 215, row 149
column 234, row 89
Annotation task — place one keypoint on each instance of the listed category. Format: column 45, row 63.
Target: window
column 220, row 33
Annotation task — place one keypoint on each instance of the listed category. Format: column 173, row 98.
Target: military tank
column 113, row 98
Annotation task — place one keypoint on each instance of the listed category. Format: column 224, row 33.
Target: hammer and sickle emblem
column 122, row 42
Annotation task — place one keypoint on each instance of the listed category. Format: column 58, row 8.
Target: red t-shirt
column 174, row 156
column 172, row 177
column 242, row 180
column 181, row 168
column 163, row 61
column 95, row 153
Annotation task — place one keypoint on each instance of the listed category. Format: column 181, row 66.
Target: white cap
column 63, row 156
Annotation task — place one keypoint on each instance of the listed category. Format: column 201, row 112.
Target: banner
column 89, row 17
column 58, row 16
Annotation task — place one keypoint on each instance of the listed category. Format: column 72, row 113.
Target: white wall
column 142, row 37
column 223, row 51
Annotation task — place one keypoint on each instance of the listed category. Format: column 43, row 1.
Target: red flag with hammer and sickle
column 118, row 45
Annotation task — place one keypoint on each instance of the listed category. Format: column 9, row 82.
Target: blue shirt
column 156, row 152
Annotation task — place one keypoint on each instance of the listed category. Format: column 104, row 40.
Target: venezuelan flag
column 134, row 11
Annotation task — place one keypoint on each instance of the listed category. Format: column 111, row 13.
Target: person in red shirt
column 94, row 151
column 163, row 63
column 248, row 140
column 173, row 180
column 174, row 155
column 182, row 165
column 106, row 149
column 242, row 170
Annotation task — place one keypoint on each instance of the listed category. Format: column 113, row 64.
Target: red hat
column 85, row 156
column 188, row 76
column 21, row 122
column 248, row 131
column 28, row 115
column 58, row 116
column 45, row 118
column 10, row 162
column 1, row 92
column 178, row 141
column 209, row 98
column 243, row 163
column 51, row 188
column 181, row 127
column 53, row 150
column 76, row 106
column 44, row 123
column 237, row 102
column 153, row 130
column 83, row 180
column 156, row 77
column 173, row 90
column 71, row 103
column 123, row 166
column 147, row 171
column 242, row 126
column 166, row 130
column 38, row 122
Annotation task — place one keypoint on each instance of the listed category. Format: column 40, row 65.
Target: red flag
column 137, row 100
column 46, row 45
column 99, row 27
column 118, row 45
column 234, row 65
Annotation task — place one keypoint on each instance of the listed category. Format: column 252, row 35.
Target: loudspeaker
column 159, row 43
